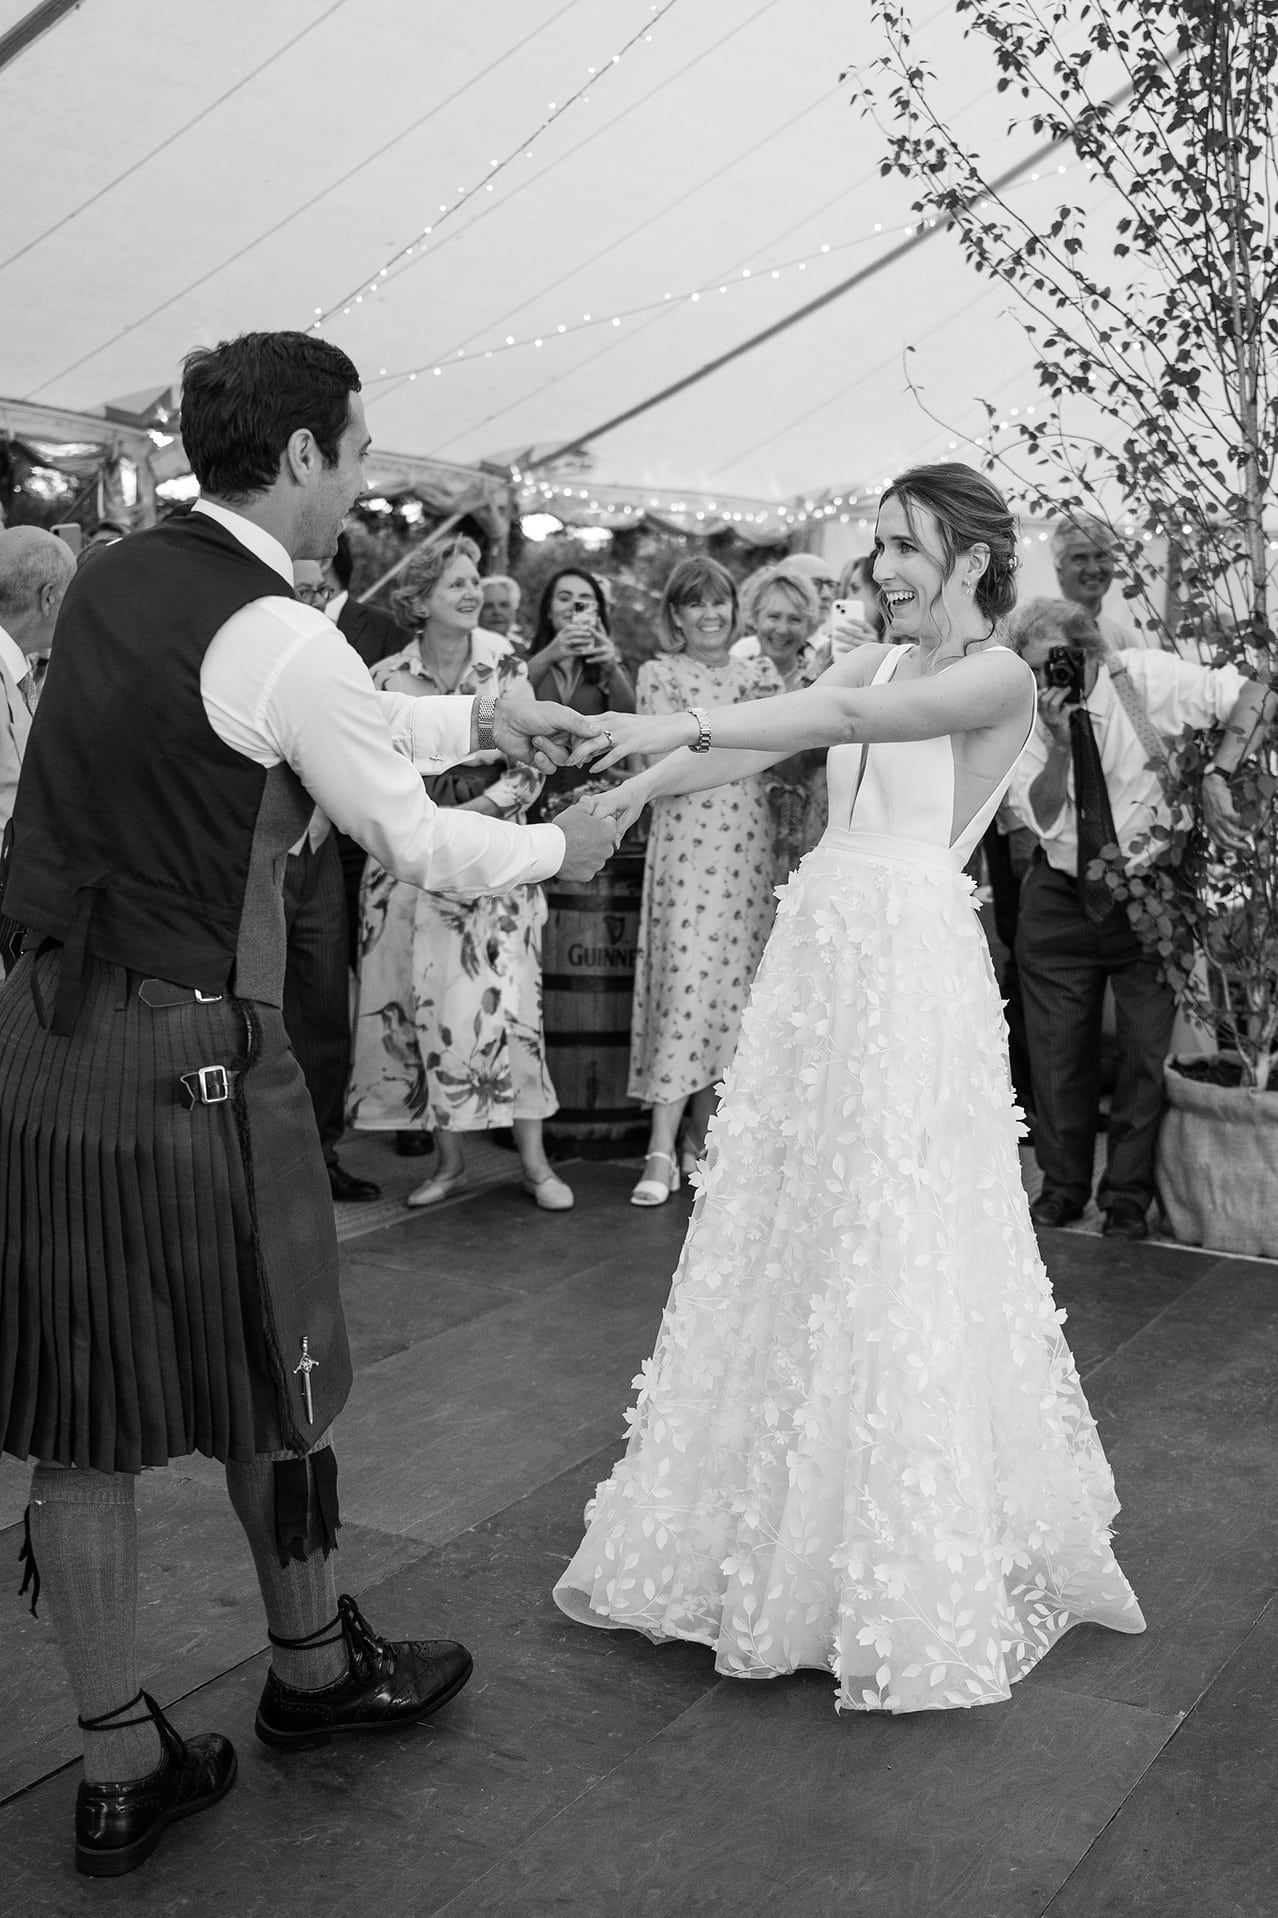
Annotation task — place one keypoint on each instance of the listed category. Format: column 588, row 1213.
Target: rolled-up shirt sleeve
column 1180, row 693
column 280, row 683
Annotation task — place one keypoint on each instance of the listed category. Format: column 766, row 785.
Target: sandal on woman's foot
column 656, row 1191
column 551, row 1194
column 442, row 1186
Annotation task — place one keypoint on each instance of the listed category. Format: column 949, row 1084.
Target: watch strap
column 485, row 715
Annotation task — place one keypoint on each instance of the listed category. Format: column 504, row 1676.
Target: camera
column 1067, row 667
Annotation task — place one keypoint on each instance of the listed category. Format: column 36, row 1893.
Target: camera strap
column 1142, row 725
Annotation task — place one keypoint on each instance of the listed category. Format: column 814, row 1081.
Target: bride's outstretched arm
column 984, row 691
column 675, row 774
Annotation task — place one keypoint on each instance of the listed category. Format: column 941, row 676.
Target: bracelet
column 485, row 715
column 1216, row 772
column 702, row 744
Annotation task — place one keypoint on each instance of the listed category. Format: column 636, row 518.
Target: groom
column 168, row 1263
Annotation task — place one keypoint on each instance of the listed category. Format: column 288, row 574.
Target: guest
column 1090, row 777
column 500, row 611
column 856, row 582
column 449, row 1030
column 707, row 885
column 1083, row 550
column 371, row 632
column 35, row 570
column 822, row 576
column 782, row 609
column 832, row 634
column 572, row 659
column 107, row 532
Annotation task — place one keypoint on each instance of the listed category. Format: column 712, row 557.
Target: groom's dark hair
column 243, row 399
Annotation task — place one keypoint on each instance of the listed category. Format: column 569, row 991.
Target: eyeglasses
column 314, row 595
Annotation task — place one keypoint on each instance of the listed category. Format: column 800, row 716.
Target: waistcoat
column 140, row 837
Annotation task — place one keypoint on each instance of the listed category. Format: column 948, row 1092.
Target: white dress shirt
column 280, row 683
column 333, row 607
column 15, row 720
column 1175, row 693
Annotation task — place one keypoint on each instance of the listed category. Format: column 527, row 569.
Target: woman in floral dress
column 449, row 1030
column 707, row 884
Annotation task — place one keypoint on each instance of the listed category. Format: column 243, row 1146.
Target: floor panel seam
column 545, row 1824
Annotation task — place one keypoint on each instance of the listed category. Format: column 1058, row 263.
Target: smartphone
column 844, row 609
column 71, row 534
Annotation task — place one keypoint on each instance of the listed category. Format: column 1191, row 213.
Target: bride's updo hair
column 969, row 510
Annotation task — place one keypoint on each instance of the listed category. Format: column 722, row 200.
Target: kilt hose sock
column 84, row 1533
column 300, row 1595
column 84, row 1537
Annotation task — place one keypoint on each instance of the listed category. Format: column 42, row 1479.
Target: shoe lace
column 370, row 1655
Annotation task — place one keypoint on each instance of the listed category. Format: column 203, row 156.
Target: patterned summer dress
column 707, row 897
column 449, row 1031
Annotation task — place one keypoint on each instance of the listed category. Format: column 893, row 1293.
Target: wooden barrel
column 588, row 975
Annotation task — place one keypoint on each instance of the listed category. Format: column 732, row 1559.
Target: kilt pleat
column 137, row 1318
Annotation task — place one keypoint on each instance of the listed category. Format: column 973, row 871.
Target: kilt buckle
column 207, row 1085
column 159, row 993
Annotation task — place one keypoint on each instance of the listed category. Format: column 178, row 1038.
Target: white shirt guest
column 1175, row 693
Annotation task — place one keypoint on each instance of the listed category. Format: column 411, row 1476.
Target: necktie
column 1094, row 815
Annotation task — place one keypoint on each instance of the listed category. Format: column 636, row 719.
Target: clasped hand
column 615, row 736
column 541, row 734
column 538, row 733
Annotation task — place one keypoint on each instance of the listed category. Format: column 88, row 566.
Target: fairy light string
column 366, row 288
column 758, row 274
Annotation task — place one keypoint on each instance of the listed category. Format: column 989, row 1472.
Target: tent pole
column 32, row 26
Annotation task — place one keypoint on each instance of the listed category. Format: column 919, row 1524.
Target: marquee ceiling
column 178, row 173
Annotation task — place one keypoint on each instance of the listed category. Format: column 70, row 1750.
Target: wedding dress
column 861, row 1443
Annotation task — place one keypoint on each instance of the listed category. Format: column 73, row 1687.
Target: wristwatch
column 485, row 713
column 702, row 742
column 1216, row 772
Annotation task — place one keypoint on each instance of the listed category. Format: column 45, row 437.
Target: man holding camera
column 1091, row 776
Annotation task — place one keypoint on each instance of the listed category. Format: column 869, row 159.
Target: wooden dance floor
column 590, row 1773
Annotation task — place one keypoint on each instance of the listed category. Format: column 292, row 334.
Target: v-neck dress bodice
column 906, row 794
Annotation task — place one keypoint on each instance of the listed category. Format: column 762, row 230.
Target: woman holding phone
column 574, row 660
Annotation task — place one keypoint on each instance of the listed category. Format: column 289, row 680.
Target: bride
column 861, row 1443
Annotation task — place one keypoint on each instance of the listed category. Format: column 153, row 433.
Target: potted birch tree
column 1158, row 335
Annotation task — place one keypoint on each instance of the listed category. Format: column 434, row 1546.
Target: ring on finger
column 608, row 736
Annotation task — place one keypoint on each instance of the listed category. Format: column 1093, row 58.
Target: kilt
column 161, row 1262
